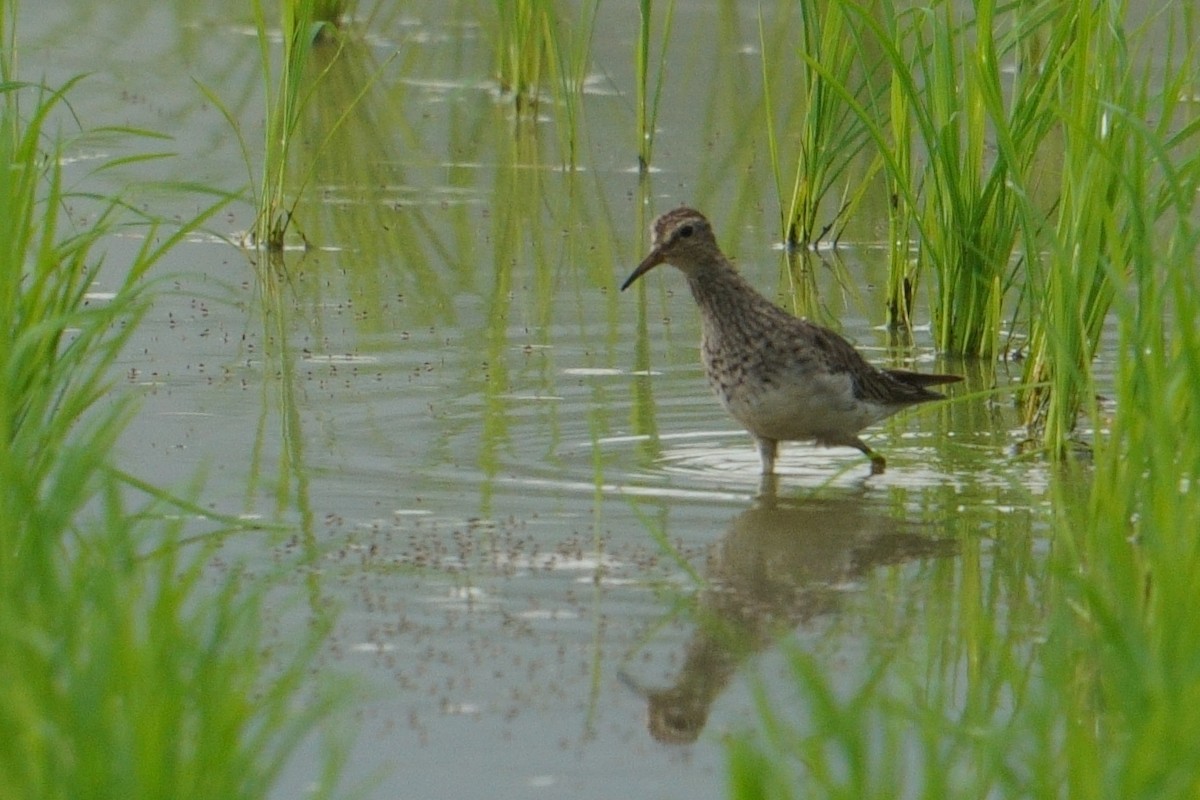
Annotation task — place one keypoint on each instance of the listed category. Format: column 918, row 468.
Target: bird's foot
column 878, row 462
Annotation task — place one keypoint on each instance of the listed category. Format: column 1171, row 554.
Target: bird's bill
column 648, row 263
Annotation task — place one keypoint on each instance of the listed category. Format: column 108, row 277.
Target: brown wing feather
column 888, row 386
column 749, row 317
column 922, row 378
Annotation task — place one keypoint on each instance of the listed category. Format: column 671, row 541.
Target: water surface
column 554, row 566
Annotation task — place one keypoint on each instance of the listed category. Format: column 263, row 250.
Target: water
column 555, row 568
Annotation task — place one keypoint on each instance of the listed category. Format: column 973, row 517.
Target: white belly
column 820, row 408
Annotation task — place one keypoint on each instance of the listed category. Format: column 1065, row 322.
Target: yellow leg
column 878, row 462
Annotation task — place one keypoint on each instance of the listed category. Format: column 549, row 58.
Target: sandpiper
column 782, row 378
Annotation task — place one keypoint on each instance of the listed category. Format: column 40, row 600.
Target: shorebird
column 783, row 378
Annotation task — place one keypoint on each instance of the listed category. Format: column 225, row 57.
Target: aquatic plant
column 1112, row 95
column 130, row 671
column 1129, row 561
column 526, row 35
column 1061, row 675
column 975, row 109
column 972, row 207
column 985, row 113
column 533, row 38
column 285, row 102
column 536, row 44
column 569, row 72
column 277, row 191
column 829, row 135
column 647, row 100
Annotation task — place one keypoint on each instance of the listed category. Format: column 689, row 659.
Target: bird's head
column 682, row 237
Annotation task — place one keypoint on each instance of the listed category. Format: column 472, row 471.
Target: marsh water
column 554, row 569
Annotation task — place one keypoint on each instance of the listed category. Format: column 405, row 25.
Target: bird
column 783, row 378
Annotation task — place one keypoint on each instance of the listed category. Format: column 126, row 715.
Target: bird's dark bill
column 648, row 263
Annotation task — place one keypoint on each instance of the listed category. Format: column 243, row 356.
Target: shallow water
column 555, row 567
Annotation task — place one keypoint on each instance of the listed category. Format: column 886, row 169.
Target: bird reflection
column 780, row 564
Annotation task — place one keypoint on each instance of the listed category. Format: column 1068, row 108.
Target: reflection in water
column 781, row 564
column 282, row 395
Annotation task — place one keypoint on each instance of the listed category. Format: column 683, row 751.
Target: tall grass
column 1087, row 241
column 967, row 115
column 1084, row 693
column 274, row 194
column 525, row 36
column 285, row 102
column 130, row 671
column 1111, row 89
column 1131, row 560
column 972, row 207
column 60, row 345
column 535, row 44
column 647, row 98
column 1003, row 156
column 291, row 92
column 569, row 73
column 829, row 134
column 1123, row 664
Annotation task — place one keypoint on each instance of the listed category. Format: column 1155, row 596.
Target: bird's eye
column 686, row 231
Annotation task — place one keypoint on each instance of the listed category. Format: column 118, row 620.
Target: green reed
column 285, row 102
column 974, row 209
column 995, row 160
column 647, row 100
column 297, row 90
column 830, row 135
column 130, row 670
column 526, row 41
column 1066, row 675
column 1135, row 548
column 537, row 45
column 1108, row 88
column 569, row 72
column 959, row 142
column 1075, row 285
column 1124, row 667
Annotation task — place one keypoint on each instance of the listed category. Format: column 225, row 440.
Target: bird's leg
column 878, row 462
column 767, row 450
column 768, row 489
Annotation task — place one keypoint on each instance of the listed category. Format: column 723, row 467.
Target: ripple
column 339, row 358
column 592, row 371
column 587, row 562
column 547, row 614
